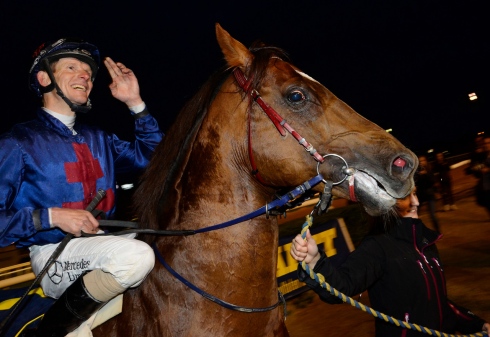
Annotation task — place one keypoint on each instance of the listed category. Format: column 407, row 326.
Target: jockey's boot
column 73, row 308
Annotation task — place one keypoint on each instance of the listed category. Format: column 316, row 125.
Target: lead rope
column 319, row 278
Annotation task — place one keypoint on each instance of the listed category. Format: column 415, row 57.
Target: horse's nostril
column 399, row 162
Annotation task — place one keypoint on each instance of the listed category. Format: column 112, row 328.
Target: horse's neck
column 220, row 190
column 218, row 201
column 244, row 252
column 216, row 186
column 216, row 183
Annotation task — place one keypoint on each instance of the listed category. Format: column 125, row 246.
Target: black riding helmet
column 53, row 51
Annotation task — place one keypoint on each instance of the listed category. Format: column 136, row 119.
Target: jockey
column 51, row 169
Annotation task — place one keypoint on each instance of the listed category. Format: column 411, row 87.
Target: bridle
column 280, row 123
column 282, row 126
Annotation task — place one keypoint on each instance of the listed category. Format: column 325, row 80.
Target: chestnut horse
column 224, row 158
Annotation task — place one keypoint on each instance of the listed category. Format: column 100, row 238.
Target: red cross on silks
column 87, row 170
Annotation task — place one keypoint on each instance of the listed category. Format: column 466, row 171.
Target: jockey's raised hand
column 124, row 86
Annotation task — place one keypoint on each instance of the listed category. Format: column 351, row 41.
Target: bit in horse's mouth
column 372, row 177
column 377, row 182
column 366, row 185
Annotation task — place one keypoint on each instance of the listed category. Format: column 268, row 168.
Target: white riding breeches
column 127, row 259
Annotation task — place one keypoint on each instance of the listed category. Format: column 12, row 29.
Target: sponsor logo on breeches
column 73, row 269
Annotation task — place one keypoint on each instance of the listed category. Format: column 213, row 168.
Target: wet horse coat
column 201, row 175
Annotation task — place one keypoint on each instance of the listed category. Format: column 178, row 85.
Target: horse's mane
column 171, row 155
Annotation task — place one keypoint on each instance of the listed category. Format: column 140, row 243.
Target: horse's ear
column 236, row 54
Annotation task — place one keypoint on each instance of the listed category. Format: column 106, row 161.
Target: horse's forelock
column 262, row 54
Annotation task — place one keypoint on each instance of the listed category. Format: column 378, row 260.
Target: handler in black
column 402, row 272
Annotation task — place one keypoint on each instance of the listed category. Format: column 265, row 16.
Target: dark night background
column 405, row 65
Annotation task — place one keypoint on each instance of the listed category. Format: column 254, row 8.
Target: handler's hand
column 305, row 250
column 124, row 84
column 74, row 221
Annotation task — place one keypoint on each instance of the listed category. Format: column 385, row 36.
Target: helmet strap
column 74, row 107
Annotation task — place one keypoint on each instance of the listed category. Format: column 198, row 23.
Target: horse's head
column 381, row 169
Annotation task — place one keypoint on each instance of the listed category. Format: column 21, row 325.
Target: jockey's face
column 74, row 78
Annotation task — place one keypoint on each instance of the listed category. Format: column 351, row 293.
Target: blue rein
column 301, row 189
column 213, row 298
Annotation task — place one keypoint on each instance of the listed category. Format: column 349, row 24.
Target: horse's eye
column 296, row 96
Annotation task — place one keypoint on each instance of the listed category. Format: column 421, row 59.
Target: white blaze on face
column 307, row 76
